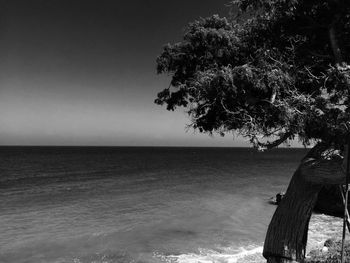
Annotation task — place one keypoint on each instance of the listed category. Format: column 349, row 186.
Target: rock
column 276, row 200
column 279, row 197
column 329, row 242
column 330, row 201
column 330, row 253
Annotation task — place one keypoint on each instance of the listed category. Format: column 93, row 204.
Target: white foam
column 210, row 256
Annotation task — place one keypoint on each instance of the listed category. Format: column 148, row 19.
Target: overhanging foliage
column 275, row 69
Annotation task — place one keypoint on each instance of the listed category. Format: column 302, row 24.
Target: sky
column 82, row 72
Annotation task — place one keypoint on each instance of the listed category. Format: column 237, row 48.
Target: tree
column 274, row 70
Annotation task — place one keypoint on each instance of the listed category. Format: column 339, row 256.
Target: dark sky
column 78, row 72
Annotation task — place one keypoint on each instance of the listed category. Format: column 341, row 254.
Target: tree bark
column 287, row 233
column 286, row 237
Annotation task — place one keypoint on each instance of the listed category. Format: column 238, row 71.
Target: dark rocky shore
column 330, row 253
column 329, row 201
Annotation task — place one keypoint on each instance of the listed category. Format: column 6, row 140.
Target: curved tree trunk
column 287, row 233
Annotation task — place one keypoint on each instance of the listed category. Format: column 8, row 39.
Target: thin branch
column 227, row 110
column 334, row 44
column 333, row 38
column 273, row 95
column 280, row 140
column 312, row 75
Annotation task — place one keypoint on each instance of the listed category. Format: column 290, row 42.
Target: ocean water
column 120, row 204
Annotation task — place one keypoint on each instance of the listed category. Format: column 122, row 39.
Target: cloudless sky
column 82, row 72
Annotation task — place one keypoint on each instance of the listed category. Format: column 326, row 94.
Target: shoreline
column 321, row 228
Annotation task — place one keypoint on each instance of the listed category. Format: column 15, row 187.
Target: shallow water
column 91, row 204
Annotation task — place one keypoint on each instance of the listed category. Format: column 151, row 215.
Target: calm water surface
column 96, row 204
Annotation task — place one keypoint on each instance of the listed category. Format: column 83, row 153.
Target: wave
column 253, row 255
column 321, row 228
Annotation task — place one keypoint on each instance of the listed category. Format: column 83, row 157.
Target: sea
column 143, row 204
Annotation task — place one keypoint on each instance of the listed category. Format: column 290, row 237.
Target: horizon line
column 152, row 146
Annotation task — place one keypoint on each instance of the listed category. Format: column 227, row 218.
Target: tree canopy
column 273, row 70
